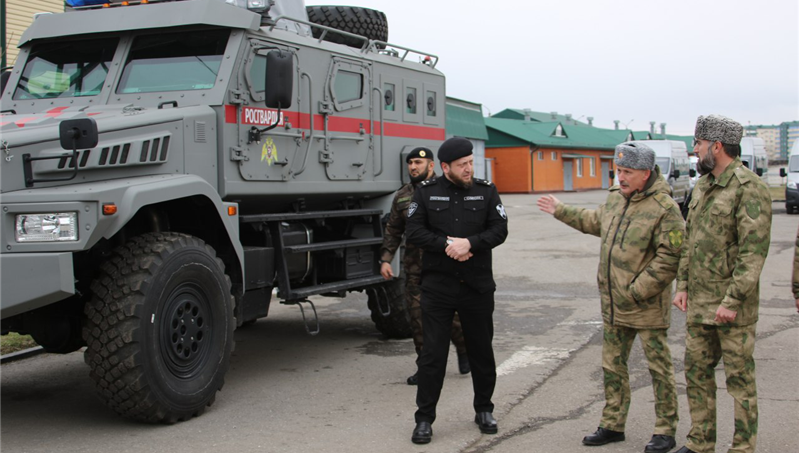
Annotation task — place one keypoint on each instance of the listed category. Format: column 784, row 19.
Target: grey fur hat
column 633, row 155
column 718, row 128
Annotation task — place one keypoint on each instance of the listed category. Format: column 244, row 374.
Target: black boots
column 603, row 436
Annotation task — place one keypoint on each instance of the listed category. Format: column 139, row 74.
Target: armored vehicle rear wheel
column 390, row 295
column 160, row 328
column 361, row 21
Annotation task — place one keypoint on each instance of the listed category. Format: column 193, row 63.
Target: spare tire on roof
column 353, row 19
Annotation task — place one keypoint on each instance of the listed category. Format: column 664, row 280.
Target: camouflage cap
column 717, row 128
column 637, row 156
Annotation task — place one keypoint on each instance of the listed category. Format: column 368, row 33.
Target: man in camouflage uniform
column 728, row 232
column 641, row 231
column 420, row 167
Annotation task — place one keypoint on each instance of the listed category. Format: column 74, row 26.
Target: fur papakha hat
column 637, row 156
column 717, row 128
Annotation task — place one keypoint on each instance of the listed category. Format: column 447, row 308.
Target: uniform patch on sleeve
column 412, row 208
column 675, row 238
column 403, row 199
column 753, row 209
column 501, row 211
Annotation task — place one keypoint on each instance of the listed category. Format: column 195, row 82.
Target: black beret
column 454, row 148
column 419, row 152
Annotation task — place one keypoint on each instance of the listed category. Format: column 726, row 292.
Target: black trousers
column 476, row 313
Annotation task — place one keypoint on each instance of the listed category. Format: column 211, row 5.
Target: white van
column 672, row 158
column 792, row 188
column 753, row 155
column 694, row 174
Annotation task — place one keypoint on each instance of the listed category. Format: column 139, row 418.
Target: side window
column 348, row 86
column 258, row 74
column 389, row 96
column 554, row 155
column 430, row 103
column 410, row 100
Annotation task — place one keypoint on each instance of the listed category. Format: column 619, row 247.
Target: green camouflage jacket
column 728, row 232
column 795, row 282
column 395, row 231
column 641, row 239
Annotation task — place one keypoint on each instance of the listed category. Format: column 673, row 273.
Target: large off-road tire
column 160, row 327
column 360, row 21
column 398, row 323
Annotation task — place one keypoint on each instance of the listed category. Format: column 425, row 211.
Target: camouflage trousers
column 616, row 345
column 413, row 297
column 705, row 345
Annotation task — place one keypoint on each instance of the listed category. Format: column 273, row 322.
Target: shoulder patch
column 484, row 182
column 675, row 238
column 428, row 182
column 753, row 209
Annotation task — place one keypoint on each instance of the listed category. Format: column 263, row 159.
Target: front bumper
column 33, row 280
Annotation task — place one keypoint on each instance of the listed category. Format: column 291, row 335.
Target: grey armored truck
column 167, row 166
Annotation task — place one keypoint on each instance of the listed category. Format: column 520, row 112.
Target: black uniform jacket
column 440, row 209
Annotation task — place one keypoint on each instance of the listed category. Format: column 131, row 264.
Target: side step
column 302, row 293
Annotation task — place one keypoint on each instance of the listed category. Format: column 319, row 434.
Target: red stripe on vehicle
column 260, row 117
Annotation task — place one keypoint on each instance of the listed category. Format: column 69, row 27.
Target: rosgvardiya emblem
column 269, row 151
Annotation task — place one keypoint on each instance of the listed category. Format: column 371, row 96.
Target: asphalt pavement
column 344, row 390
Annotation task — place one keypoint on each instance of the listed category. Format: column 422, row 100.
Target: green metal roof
column 465, row 119
column 507, row 132
column 641, row 135
column 540, row 117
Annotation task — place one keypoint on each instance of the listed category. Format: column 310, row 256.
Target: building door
column 567, row 175
column 605, row 174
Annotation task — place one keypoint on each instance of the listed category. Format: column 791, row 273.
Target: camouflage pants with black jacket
column 616, row 346
column 413, row 297
column 705, row 346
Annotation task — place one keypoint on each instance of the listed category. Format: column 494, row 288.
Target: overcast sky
column 630, row 60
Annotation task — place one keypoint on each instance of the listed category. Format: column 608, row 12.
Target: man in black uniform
column 456, row 220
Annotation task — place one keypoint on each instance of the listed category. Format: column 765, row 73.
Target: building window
column 579, row 168
column 592, row 166
column 559, row 131
column 540, row 155
column 554, row 155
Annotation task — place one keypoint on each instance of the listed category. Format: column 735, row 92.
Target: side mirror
column 759, row 172
column 692, row 173
column 78, row 134
column 279, row 79
column 675, row 174
column 783, row 173
column 612, row 175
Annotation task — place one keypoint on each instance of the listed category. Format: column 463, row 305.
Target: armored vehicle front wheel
column 389, row 298
column 160, row 327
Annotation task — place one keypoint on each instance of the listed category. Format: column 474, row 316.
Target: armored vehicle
column 169, row 166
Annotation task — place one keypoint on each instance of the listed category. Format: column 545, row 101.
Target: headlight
column 792, row 184
column 50, row 227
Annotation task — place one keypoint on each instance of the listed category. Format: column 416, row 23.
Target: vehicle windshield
column 174, row 62
column 747, row 160
column 66, row 69
column 663, row 163
column 793, row 165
